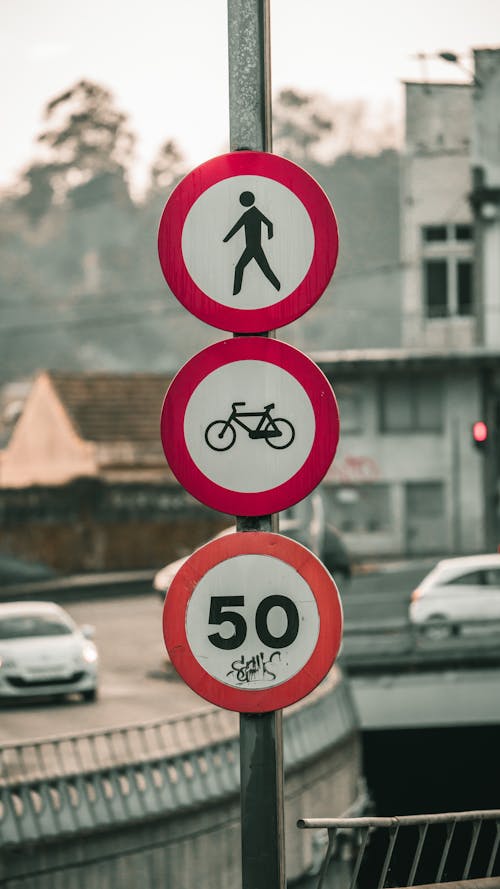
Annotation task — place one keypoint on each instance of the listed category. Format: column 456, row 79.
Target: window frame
column 415, row 389
column 456, row 250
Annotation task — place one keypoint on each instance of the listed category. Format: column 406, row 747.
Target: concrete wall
column 370, row 456
column 175, row 821
column 435, row 189
column 89, row 525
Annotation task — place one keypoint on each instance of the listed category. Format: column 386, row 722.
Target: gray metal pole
column 261, row 739
column 249, row 75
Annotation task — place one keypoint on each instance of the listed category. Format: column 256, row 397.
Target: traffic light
column 480, row 434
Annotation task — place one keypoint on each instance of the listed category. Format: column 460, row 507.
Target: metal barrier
column 402, row 850
column 69, row 784
column 368, row 645
column 65, row 755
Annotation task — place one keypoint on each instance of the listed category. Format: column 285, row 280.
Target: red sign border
column 321, row 268
column 320, row 456
column 328, row 603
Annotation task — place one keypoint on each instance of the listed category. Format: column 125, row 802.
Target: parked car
column 15, row 570
column 333, row 553
column 457, row 594
column 43, row 652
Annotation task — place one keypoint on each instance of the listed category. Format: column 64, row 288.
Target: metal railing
column 401, row 645
column 113, row 776
column 408, row 850
column 59, row 756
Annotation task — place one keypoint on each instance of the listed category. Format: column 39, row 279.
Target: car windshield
column 26, row 625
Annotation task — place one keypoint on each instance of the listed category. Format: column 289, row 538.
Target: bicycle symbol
column 220, row 435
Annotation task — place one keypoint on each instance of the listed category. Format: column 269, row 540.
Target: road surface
column 136, row 685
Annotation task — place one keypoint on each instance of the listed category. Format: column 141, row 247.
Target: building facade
column 76, row 425
column 407, row 478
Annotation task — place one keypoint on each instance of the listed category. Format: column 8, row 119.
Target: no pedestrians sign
column 248, row 241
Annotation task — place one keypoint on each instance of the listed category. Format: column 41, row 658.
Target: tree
column 313, row 127
column 168, row 168
column 86, row 138
column 35, row 192
column 299, row 124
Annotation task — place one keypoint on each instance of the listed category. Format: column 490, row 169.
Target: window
column 464, row 287
column 364, row 508
column 411, row 404
column 447, row 270
column 29, row 625
column 434, row 233
column 492, row 577
column 350, row 406
column 481, row 577
column 436, row 287
column 472, row 578
column 463, row 232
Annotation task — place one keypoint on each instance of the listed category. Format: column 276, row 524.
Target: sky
column 166, row 62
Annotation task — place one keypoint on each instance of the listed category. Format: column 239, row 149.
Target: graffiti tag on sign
column 254, row 668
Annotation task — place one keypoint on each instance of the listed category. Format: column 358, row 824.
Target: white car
column 44, row 653
column 457, row 594
column 164, row 577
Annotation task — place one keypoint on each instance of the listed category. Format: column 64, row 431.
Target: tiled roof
column 107, row 407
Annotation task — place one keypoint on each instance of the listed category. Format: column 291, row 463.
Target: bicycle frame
column 261, row 430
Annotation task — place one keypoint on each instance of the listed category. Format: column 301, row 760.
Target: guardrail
column 402, row 850
column 399, row 645
column 64, row 755
column 100, row 778
column 81, row 586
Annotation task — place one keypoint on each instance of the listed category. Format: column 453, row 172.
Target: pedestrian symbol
column 252, row 221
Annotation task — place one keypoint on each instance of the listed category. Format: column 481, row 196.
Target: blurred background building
column 408, row 333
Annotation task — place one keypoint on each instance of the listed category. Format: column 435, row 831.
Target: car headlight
column 89, row 653
column 6, row 663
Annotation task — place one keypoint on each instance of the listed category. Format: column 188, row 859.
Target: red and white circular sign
column 248, row 241
column 250, row 426
column 252, row 622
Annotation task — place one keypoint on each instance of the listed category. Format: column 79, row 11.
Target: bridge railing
column 410, row 850
column 369, row 644
column 58, row 756
column 102, row 778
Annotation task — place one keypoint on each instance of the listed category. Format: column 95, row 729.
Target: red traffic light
column 480, row 433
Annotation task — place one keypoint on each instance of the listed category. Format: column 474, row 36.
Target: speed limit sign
column 252, row 622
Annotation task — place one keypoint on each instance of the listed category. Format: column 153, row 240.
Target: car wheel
column 90, row 695
column 437, row 627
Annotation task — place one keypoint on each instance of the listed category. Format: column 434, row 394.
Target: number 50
column 220, row 613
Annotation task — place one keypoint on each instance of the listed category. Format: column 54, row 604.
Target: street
column 135, row 685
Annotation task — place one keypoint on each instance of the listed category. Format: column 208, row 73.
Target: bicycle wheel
column 219, row 436
column 287, row 434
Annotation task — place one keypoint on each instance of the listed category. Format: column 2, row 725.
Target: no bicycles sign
column 250, row 426
column 248, row 241
column 252, row 622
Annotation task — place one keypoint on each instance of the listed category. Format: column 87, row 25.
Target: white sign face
column 251, row 254
column 222, row 421
column 252, row 622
